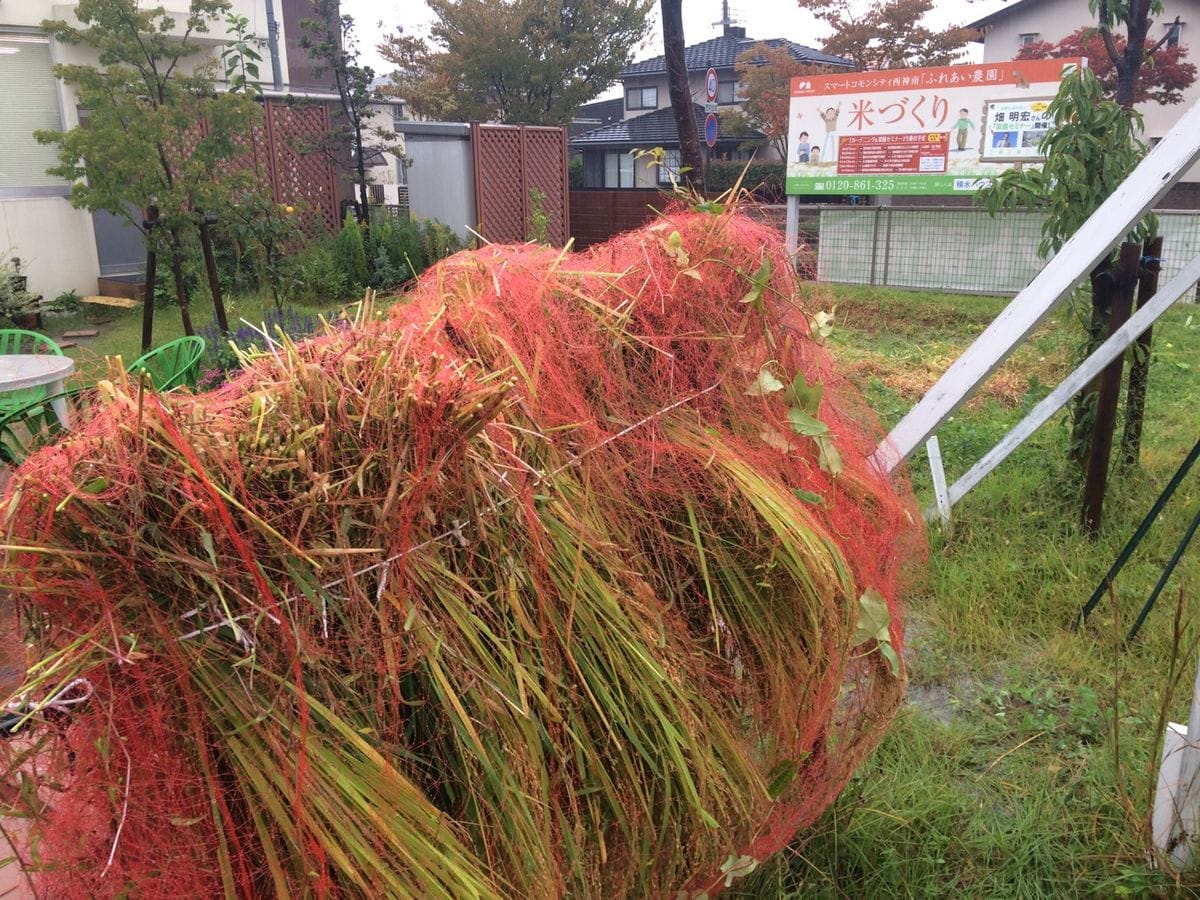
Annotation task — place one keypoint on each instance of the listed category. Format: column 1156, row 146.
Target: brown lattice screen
column 284, row 150
column 300, row 174
column 511, row 161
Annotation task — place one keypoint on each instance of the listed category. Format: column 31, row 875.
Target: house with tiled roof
column 648, row 121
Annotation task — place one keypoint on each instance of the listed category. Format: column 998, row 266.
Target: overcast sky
column 762, row 19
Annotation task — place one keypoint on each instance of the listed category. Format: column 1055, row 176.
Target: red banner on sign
column 893, row 154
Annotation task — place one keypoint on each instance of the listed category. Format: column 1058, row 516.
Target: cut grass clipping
column 567, row 578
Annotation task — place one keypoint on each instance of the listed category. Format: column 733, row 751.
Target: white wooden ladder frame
column 1136, row 196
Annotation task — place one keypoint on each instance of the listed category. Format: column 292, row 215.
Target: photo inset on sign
column 1013, row 129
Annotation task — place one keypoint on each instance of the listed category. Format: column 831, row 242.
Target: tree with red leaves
column 764, row 76
column 888, row 34
column 1163, row 82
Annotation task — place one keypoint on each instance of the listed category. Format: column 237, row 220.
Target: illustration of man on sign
column 830, row 118
column 962, row 126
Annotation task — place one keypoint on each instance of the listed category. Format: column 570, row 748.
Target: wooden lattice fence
column 511, row 162
column 301, row 175
column 285, row 149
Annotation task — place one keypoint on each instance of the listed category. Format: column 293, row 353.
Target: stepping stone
column 81, row 333
column 66, row 345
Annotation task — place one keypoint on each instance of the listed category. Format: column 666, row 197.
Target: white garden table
column 25, row 370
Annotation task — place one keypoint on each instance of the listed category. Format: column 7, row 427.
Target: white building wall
column 695, row 83
column 1053, row 20
column 55, row 242
column 699, row 95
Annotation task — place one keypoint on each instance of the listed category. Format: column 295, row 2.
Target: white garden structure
column 1176, row 817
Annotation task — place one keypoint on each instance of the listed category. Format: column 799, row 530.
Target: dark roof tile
column 722, row 53
column 654, row 129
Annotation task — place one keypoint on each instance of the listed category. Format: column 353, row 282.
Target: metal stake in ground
column 1125, row 275
column 1139, row 366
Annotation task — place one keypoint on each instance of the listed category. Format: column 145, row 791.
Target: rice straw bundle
column 556, row 581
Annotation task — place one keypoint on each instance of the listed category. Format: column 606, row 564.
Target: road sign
column 710, row 130
column 710, row 85
column 710, row 107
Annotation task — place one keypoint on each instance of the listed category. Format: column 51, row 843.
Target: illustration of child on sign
column 830, row 118
column 962, row 126
column 803, row 148
column 814, row 155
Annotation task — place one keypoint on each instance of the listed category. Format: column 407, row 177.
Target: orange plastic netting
column 555, row 580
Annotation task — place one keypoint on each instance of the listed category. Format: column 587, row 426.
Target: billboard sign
column 931, row 131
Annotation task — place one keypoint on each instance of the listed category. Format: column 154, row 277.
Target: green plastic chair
column 173, row 365
column 31, row 427
column 18, row 340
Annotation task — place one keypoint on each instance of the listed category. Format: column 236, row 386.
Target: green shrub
column 437, row 242
column 386, row 273
column 351, row 255
column 404, row 248
column 575, row 173
column 764, row 180
column 315, row 276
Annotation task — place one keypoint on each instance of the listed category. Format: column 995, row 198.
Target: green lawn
column 1023, row 762
column 121, row 330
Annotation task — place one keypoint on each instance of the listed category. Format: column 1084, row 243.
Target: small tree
column 528, row 61
column 157, row 131
column 1120, row 61
column 1164, row 82
column 332, row 43
column 765, row 75
column 889, row 34
column 1091, row 147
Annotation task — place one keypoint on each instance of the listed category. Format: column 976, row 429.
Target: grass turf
column 1023, row 763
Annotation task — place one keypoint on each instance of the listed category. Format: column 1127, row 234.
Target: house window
column 1028, row 38
column 1174, row 34
column 668, row 171
column 729, row 92
column 30, row 103
column 618, row 169
column 641, row 98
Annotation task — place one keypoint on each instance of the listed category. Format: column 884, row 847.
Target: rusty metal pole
column 1109, row 383
column 1139, row 367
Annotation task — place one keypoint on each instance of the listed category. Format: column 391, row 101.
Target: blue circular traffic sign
column 710, row 130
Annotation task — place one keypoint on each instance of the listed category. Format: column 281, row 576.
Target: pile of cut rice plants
column 568, row 577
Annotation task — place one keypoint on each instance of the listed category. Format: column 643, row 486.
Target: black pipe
column 273, row 45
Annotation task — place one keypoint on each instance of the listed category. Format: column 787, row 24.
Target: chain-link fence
column 955, row 249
